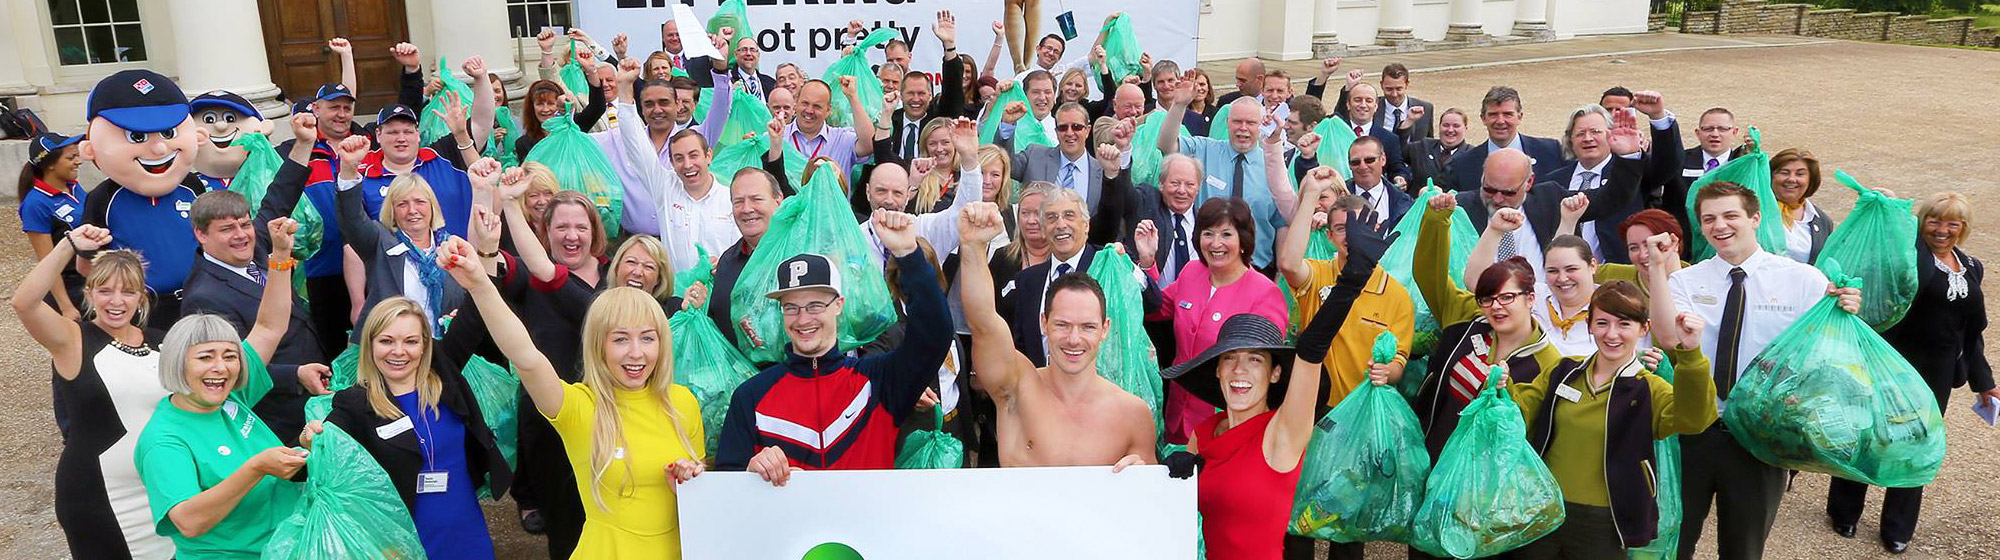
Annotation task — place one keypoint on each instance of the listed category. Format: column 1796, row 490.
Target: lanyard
column 802, row 148
column 426, row 440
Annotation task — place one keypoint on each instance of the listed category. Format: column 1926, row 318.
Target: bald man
column 1249, row 78
column 1127, row 101
column 1509, row 181
column 1239, row 167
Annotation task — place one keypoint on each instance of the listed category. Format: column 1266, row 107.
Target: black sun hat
column 1245, row 331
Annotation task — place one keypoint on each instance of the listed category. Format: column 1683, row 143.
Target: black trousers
column 1587, row 533
column 1744, row 490
column 327, row 296
column 1301, row 548
column 1900, row 506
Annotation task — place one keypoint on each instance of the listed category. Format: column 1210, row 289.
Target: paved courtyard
column 1912, row 119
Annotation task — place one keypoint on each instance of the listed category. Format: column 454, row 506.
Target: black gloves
column 1366, row 242
column 1182, row 464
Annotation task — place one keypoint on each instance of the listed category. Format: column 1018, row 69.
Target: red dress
column 1244, row 504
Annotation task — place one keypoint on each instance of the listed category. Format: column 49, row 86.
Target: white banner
column 809, row 32
column 976, row 514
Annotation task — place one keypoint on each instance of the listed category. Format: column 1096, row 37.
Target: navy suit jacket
column 1399, row 201
column 1025, row 319
column 1620, row 193
column 1470, row 163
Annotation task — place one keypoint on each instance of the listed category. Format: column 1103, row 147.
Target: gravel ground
column 1821, row 97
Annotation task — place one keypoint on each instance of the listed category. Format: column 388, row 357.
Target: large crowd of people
column 190, row 317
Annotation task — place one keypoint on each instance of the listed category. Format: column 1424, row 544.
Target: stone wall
column 1760, row 16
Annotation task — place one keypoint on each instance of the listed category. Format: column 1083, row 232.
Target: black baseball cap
column 46, row 144
column 806, row 272
column 225, row 100
column 333, row 91
column 138, row 100
column 398, row 111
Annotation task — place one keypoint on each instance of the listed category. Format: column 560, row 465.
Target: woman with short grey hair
column 214, row 473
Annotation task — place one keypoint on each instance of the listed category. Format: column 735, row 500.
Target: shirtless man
column 1063, row 414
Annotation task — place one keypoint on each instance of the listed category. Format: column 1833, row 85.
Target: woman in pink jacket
column 1210, row 289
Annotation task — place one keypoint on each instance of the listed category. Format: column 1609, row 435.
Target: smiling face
column 1246, row 377
column 1075, row 325
column 690, row 157
column 939, row 147
column 148, row 163
column 1790, row 181
column 1029, row 218
column 1617, row 337
column 1728, row 226
column 1510, row 317
column 412, row 213
column 812, row 331
column 570, row 235
column 1065, row 224
column 684, row 102
column 1128, row 102
column 1245, row 117
column 546, row 105
column 1179, row 185
column 1041, row 95
column 220, row 153
column 916, row 94
column 212, row 369
column 1588, row 139
column 232, row 240
column 114, row 303
column 1393, row 89
column 747, row 54
column 1941, row 234
column 1569, row 274
column 1717, row 132
column 1451, row 129
column 813, row 103
column 632, row 353
column 1074, row 88
column 992, row 177
column 1636, row 249
column 1361, row 104
column 399, row 140
column 637, row 269
column 65, row 168
column 1502, row 121
column 1072, row 131
column 658, row 105
column 398, row 350
column 670, row 37
column 788, row 77
column 751, row 203
column 1048, row 51
column 1201, row 86
column 1365, row 161
column 889, row 188
column 1221, row 247
column 1277, row 90
column 336, row 117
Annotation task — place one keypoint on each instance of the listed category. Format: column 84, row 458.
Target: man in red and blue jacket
column 822, row 409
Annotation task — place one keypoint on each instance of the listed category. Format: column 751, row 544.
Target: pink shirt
column 1198, row 313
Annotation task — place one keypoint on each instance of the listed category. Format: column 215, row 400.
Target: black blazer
column 702, row 70
column 1399, row 201
column 1421, row 128
column 1544, row 203
column 1623, row 174
column 1428, row 161
column 1025, row 319
column 1944, row 339
column 1470, row 163
column 1149, row 204
column 382, row 257
column 399, row 454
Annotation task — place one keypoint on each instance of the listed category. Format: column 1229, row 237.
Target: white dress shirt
column 685, row 221
column 1799, row 234
column 940, row 228
column 1169, row 269
column 1588, row 230
column 1390, row 112
column 1377, row 197
column 240, row 271
column 1776, row 291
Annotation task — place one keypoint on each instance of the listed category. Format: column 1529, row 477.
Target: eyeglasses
column 1072, row 127
column 1370, row 160
column 1502, row 298
column 1716, row 128
column 813, row 308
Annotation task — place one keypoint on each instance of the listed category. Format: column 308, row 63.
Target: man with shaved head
column 1239, row 167
column 1508, row 181
column 1249, row 78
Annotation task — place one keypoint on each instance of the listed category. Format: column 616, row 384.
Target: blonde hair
column 1948, row 205
column 658, row 251
column 123, row 267
column 370, row 378
column 930, row 187
column 989, row 155
column 1077, row 73
column 620, row 307
column 540, row 178
column 403, row 186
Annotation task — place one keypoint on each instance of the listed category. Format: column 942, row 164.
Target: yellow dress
column 642, row 520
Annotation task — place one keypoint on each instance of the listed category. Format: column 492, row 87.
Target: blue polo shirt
column 212, row 183
column 47, row 209
column 158, row 228
column 447, row 180
column 1218, row 159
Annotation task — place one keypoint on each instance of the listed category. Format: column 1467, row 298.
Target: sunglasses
column 1072, row 127
column 1358, row 162
column 1490, row 191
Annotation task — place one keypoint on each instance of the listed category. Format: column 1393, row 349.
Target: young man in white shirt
column 1751, row 296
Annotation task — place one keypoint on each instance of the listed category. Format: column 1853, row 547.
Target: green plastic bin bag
column 709, row 366
column 1146, row 155
column 1121, row 49
column 571, row 74
column 749, row 118
column 1877, row 242
column 1126, row 356
column 343, row 368
column 932, row 448
column 1400, row 260
column 431, row 125
column 1365, row 467
column 1830, row 396
column 580, row 165
column 253, row 181
column 1490, row 492
column 731, row 14
column 498, row 391
column 1218, row 127
column 866, row 85
column 500, row 146
column 1336, row 137
column 1753, row 171
column 745, row 154
column 1667, row 470
column 1028, row 131
column 820, row 221
column 347, row 509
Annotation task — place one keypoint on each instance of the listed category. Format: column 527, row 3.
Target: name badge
column 393, row 429
column 1693, row 172
column 1569, row 393
column 64, row 210
column 1704, row 299
column 1187, row 304
column 433, row 482
column 1217, row 183
column 183, row 205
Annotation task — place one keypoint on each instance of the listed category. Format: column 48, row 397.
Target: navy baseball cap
column 138, row 100
column 397, row 111
column 806, row 272
column 47, row 144
column 225, row 100
column 333, row 91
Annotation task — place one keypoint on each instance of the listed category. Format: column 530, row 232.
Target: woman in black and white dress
column 108, row 365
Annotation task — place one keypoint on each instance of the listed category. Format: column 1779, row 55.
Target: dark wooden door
column 295, row 36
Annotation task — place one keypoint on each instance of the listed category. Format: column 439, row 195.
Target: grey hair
column 1569, row 152
column 1059, row 194
column 1165, row 67
column 200, row 328
column 1176, row 157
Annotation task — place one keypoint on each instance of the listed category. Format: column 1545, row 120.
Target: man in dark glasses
column 1365, row 162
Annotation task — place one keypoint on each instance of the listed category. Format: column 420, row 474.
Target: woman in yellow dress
column 629, row 431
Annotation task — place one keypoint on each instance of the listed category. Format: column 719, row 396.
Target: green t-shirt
column 182, row 453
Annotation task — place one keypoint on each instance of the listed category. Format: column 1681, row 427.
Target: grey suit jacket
column 382, row 256
column 1045, row 163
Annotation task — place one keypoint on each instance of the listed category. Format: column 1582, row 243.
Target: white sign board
column 810, row 33
column 974, row 514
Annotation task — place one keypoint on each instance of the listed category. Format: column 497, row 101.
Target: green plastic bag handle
column 1385, row 348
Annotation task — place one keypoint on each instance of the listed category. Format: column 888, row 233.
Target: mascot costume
column 141, row 137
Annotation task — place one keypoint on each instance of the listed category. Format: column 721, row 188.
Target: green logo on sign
column 832, row 551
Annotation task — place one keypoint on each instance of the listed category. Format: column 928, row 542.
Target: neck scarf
column 430, row 275
column 1792, row 212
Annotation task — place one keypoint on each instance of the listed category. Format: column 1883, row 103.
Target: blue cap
column 48, row 143
column 225, row 100
column 138, row 100
column 397, row 111
column 333, row 91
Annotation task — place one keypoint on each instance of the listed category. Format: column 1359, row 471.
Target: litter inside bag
column 1365, row 468
column 1126, row 356
column 1876, row 242
column 1490, row 492
column 498, row 391
column 1830, row 396
column 344, row 368
column 1336, row 137
column 1399, row 262
column 708, row 365
column 1146, row 156
column 933, row 448
column 580, row 165
column 431, row 125
column 1121, row 49
column 819, row 221
column 348, row 508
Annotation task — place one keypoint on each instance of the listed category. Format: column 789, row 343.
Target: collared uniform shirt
column 1776, row 291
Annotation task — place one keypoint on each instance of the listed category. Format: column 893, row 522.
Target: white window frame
column 55, row 45
column 536, row 4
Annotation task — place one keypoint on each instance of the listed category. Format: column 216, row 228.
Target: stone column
column 219, row 44
column 1531, row 19
column 1464, row 23
column 1393, row 23
column 1326, row 37
column 464, row 29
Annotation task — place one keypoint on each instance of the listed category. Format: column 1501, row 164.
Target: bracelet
column 493, row 255
column 284, row 265
column 466, row 146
